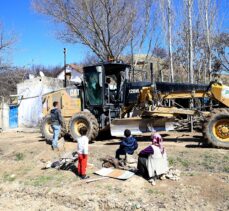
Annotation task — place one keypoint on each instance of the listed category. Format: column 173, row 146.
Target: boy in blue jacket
column 127, row 146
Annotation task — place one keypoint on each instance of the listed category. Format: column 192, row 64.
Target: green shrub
column 19, row 156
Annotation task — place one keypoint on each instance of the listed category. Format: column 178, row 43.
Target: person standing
column 56, row 124
column 82, row 149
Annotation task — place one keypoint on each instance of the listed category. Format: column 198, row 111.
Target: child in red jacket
column 82, row 153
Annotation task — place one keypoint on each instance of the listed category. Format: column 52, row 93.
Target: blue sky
column 36, row 41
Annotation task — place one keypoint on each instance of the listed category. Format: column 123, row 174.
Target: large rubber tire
column 87, row 120
column 216, row 128
column 46, row 129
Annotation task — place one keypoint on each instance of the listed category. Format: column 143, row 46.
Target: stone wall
column 4, row 116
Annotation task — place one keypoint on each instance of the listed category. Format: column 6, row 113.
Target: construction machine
column 108, row 99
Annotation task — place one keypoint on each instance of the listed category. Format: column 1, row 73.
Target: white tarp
column 115, row 173
column 30, row 99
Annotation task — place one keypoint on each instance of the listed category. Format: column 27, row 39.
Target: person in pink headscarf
column 157, row 141
column 152, row 160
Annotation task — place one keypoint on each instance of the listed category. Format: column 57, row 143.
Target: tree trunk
column 170, row 41
column 191, row 73
column 205, row 73
column 206, row 2
column 199, row 69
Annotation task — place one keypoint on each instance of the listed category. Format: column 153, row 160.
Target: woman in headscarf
column 152, row 161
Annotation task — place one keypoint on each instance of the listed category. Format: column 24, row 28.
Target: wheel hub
column 225, row 130
column 79, row 124
column 49, row 127
column 222, row 130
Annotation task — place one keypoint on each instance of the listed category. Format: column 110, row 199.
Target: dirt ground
column 204, row 182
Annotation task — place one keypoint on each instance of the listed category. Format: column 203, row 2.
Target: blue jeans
column 56, row 133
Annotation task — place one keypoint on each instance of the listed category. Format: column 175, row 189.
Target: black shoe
column 84, row 177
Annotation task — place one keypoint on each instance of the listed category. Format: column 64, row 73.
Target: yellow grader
column 108, row 99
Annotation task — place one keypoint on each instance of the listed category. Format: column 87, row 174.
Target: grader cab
column 98, row 101
column 108, row 99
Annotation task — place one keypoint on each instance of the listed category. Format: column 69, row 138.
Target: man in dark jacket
column 56, row 123
column 127, row 146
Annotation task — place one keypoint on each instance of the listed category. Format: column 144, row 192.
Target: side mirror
column 99, row 70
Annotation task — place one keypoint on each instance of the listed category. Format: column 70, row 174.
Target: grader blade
column 138, row 126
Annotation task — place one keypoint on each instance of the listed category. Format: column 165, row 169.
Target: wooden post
column 151, row 73
column 65, row 79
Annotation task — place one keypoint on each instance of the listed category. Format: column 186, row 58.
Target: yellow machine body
column 147, row 94
column 69, row 99
column 220, row 93
column 152, row 111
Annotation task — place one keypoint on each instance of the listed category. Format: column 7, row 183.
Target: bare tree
column 49, row 71
column 195, row 54
column 206, row 3
column 105, row 26
column 159, row 52
column 7, row 41
column 167, row 12
column 90, row 59
column 8, row 76
column 208, row 13
column 189, row 5
column 219, row 50
column 170, row 40
column 145, row 28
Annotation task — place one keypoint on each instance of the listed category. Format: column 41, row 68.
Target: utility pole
column 151, row 72
column 65, row 66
